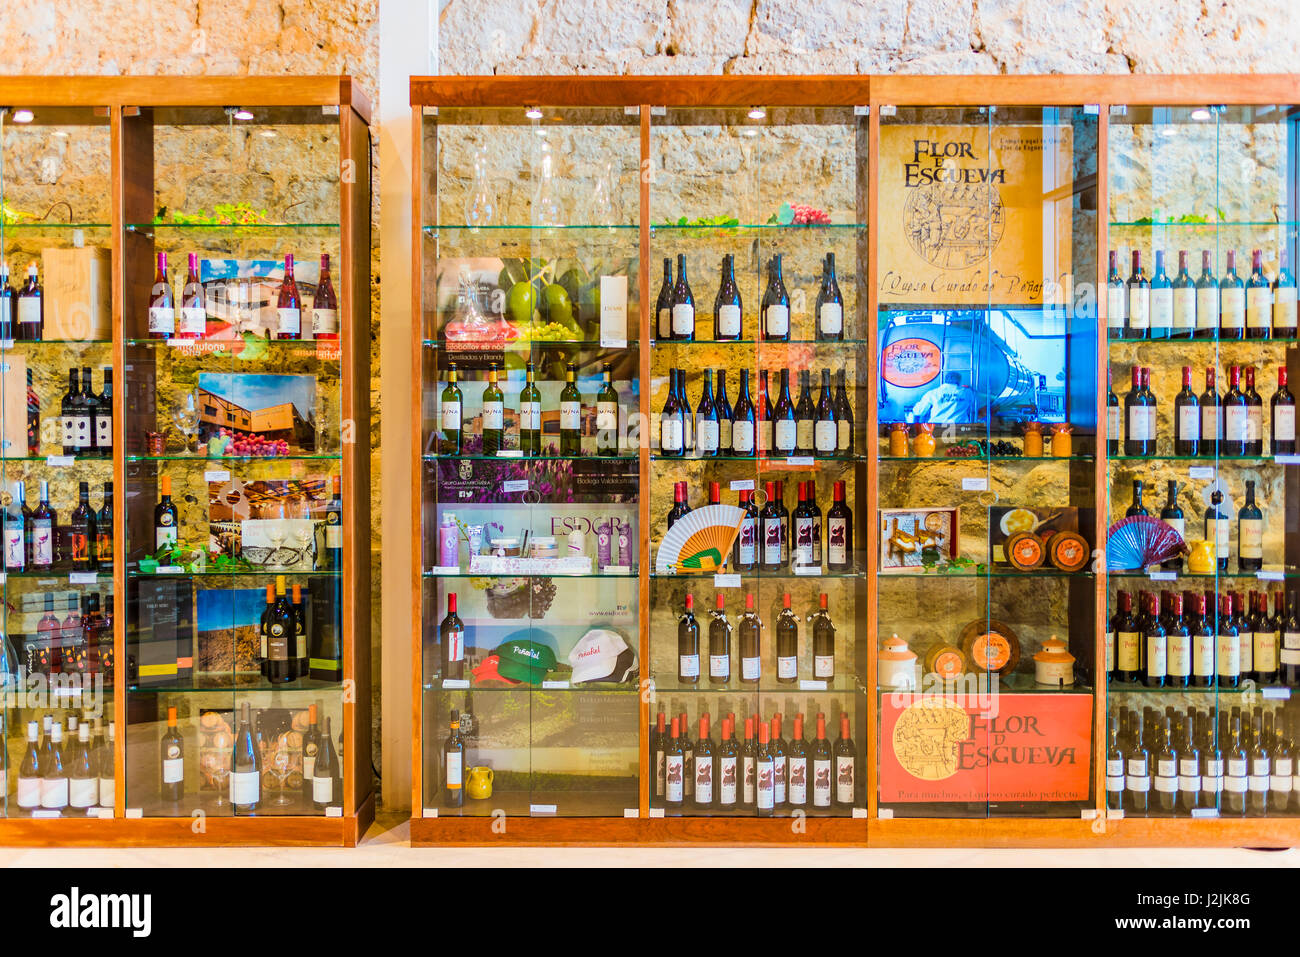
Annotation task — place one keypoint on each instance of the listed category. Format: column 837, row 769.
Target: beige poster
column 975, row 216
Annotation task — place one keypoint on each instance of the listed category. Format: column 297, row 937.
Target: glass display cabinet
column 210, row 331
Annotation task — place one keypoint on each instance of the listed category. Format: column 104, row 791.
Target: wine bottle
column 804, row 526
column 451, row 635
column 1189, row 764
column 1211, row 417
column 839, row 532
column 1281, row 769
column 1187, row 418
column 1265, row 643
column 797, row 775
column 1139, row 302
column 748, row 767
column 73, row 415
column 1140, row 416
column 743, row 422
column 775, row 308
column 664, row 304
column 1183, row 296
column 326, row 771
column 1207, row 301
column 845, row 766
column 1128, row 641
column 530, row 414
column 43, row 523
column 787, row 643
column 820, row 755
column 719, row 644
column 264, row 629
column 172, row 748
column 281, row 657
column 688, row 423
column 1232, row 301
column 324, row 305
column 1178, row 655
column 453, row 765
column 570, row 413
column 493, row 415
column 745, row 552
column 54, row 773
column 763, row 439
column 780, row 764
column 1116, row 299
column 300, row 650
column 288, row 306
column 708, row 433
column 1137, row 508
column 1114, row 766
column 750, row 630
column 194, row 312
column 830, row 304
column 1281, row 413
column 1156, row 647
column 823, row 630
column 1114, row 418
column 843, row 418
column 1236, row 417
column 769, row 520
column 1228, row 650
column 162, row 306
column 680, row 506
column 84, row 531
column 450, row 416
column 607, row 427
column 722, row 406
column 1288, row 628
column 825, row 426
column 702, row 771
column 764, row 774
column 1254, row 415
column 8, row 303
column 727, row 306
column 683, row 306
column 29, row 772
column 727, row 768
column 805, row 417
column 1212, row 764
column 1172, row 515
column 246, row 766
column 165, row 516
column 1217, row 529
column 688, row 645
column 89, row 412
column 783, row 521
column 1250, row 533
column 658, row 745
column 33, row 417
column 674, row 769
column 15, row 530
column 1284, row 301
column 1165, row 761
column 1259, row 299
column 1161, row 300
column 311, row 744
column 1236, row 782
column 101, row 424
column 1137, row 772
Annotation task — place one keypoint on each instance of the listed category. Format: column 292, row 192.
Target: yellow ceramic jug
column 1200, row 558
column 923, row 444
column 479, row 783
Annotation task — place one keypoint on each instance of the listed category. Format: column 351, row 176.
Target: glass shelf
column 228, row 227
column 433, row 230
column 428, row 574
column 761, row 343
column 986, row 459
column 986, row 573
column 8, row 344
column 667, row 683
column 63, row 461
column 1015, row 683
column 1219, row 224
column 255, row 683
column 556, row 685
column 768, row 461
column 1207, row 341
column 748, row 227
column 514, row 459
column 135, row 573
column 1270, row 692
column 522, row 345
column 756, row 575
column 1160, row 575
column 195, row 459
column 53, row 226
column 1211, row 460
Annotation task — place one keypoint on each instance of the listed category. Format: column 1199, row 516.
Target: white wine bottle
column 246, row 766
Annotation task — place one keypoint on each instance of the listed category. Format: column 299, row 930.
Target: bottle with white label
column 607, row 427
column 1284, row 301
column 83, row 784
column 745, row 551
column 451, row 633
column 530, row 413
column 845, row 766
column 797, row 766
column 1140, row 416
column 570, row 413
column 326, row 771
column 494, row 414
column 1236, row 417
column 664, row 304
column 30, row 309
column 1232, row 301
column 688, row 644
column 775, row 308
column 1183, row 301
column 703, row 767
column 683, row 315
column 743, row 420
column 29, row 771
column 1211, row 418
column 674, row 769
column 1161, row 304
column 785, row 428
column 822, row 766
column 449, row 419
column 764, row 774
column 194, row 312
column 728, row 769
column 1114, row 766
column 172, row 748
column 787, row 643
column 1250, row 533
column 830, row 304
column 1116, row 299
column 728, row 310
column 1187, row 418
column 246, row 766
column 324, row 305
column 720, row 644
column 1236, row 780
column 839, row 531
column 1259, row 299
column 1139, row 301
column 54, row 773
column 288, row 306
column 15, row 530
column 708, row 433
column 672, row 420
column 749, row 633
column 1137, row 771
column 1207, row 301
column 162, row 305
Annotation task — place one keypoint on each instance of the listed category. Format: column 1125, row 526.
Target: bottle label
column 778, row 778
column 1280, row 782
column 194, row 320
column 494, row 415
column 706, row 435
column 727, row 780
column 456, row 645
column 42, row 542
column 1167, row 785
column 728, row 321
column 1291, row 640
column 1259, row 307
column 748, row 546
column 720, row 666
column 749, row 669
column 570, row 415
column 1179, row 657
column 844, row 766
column 1138, row 783
column 1189, row 422
column 1232, row 307
column 1115, row 302
column 683, row 319
column 777, row 320
column 82, row 792
column 1252, row 537
column 764, row 435
column 1265, row 651
column 843, row 435
column 1185, row 308
column 824, row 666
column 1114, row 422
column 173, row 768
column 1156, row 664
column 607, row 416
column 747, row 779
column 324, row 322
column 821, row 790
column 766, row 785
column 831, row 317
column 1203, row 655
column 771, row 541
column 1188, row 766
column 1141, row 423
column 29, row 792
column 787, row 667
column 1162, row 308
column 1110, row 651
column 333, row 536
column 659, row 772
column 825, row 436
column 1115, row 784
column 54, row 792
column 1246, row 651
column 1229, row 656
column 1139, row 307
column 704, row 782
column 671, row 433
column 1283, row 423
column 308, row 765
column 103, row 431
column 724, row 433
column 106, row 792
column 81, row 435
column 322, row 790
column 69, row 423
column 530, row 416
column 688, row 666
column 1211, row 427
column 1130, row 650
column 786, row 436
column 804, row 430
column 29, row 309
column 1221, row 529
column 665, row 323
column 1177, row 524
column 1137, row 766
column 162, row 320
column 1166, row 768
column 451, row 416
column 290, row 321
column 837, row 549
column 1115, row 767
column 798, row 781
column 742, row 437
column 1284, row 306
column 15, row 553
column 803, row 541
column 1255, row 423
column 455, row 769
column 1207, row 307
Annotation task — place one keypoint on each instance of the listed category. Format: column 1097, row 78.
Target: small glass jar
column 898, row 439
column 543, row 546
column 505, row 547
column 923, row 444
column 1062, row 444
column 1033, row 440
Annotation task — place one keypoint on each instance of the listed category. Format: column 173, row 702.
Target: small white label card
column 613, row 312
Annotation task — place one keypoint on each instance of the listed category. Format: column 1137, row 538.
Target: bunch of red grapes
column 254, row 445
column 805, row 215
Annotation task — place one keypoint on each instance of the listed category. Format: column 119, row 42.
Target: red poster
column 1008, row 747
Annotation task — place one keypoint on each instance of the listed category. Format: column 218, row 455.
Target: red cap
column 749, row 601
column 749, row 728
column 798, row 726
column 451, row 602
column 822, row 601
column 679, row 492
column 762, row 732
column 704, row 725
column 726, row 730
column 661, row 721
column 776, row 725
column 785, row 600
column 837, row 492
column 721, row 601
column 844, row 725
column 780, row 490
column 715, row 492
column 674, row 731
column 690, row 601
column 770, row 488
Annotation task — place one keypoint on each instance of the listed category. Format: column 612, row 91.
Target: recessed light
column 23, row 116
column 757, row 113
column 1169, row 131
column 242, row 114
column 533, row 113
column 59, row 133
column 267, row 133
column 1201, row 114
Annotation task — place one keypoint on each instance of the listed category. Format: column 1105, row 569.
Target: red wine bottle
column 1178, row 644
column 764, row 774
column 1139, row 302
column 823, row 630
column 1128, row 641
column 703, row 771
column 830, row 304
column 674, row 770
column 787, row 643
column 744, row 423
column 1250, row 533
column 785, row 428
column 162, row 308
column 1254, row 415
column 744, row 555
column 797, row 761
column 780, row 765
column 194, row 311
column 775, row 308
column 1232, row 301
column 680, row 505
column 688, row 645
column 1281, row 412
column 769, row 520
column 658, row 748
column 839, row 532
column 1140, row 418
column 1211, row 416
column 727, row 306
column 451, row 636
column 845, row 766
column 281, row 660
column 664, row 304
column 84, row 531
column 1259, row 299
column 1184, row 301
column 1228, row 656
column 727, row 768
column 1187, row 418
column 324, row 305
column 1155, row 646
column 748, row 767
column 820, row 758
column 288, row 306
column 1236, row 417
column 683, row 305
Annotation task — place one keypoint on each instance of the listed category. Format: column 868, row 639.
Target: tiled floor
column 386, row 845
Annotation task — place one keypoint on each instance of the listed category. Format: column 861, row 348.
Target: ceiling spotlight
column 533, row 113
column 23, row 116
column 1201, row 113
column 243, row 114
column 757, row 113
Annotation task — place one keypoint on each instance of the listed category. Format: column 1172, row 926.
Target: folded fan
column 699, row 541
column 1139, row 541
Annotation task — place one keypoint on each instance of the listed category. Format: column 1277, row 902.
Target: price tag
column 335, row 811
column 1281, row 694
column 656, row 812
column 102, row 812
column 541, row 808
column 979, row 483
column 631, row 812
column 169, row 570
column 1287, row 459
column 216, row 475
column 1088, row 814
column 1163, row 576
column 515, row 485
column 800, row 461
column 617, row 570
column 1205, row 472
column 726, row 581
column 1117, row 815
column 82, row 578
column 510, row 453
column 742, row 485
column 135, row 812
column 1205, row 812
column 445, row 570
column 859, row 812
column 805, row 570
column 6, row 343
column 1271, row 576
column 885, row 813
column 555, row 685
column 454, row 684
column 45, row 813
column 60, row 461
column 430, row 812
column 808, row 684
column 3, row 578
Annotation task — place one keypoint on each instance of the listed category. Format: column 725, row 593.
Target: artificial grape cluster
column 981, row 447
column 805, row 215
column 254, row 445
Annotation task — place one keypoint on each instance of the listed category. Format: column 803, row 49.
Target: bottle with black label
column 281, row 660
column 84, row 530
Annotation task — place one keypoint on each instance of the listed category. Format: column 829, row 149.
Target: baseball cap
column 519, row 659
column 487, row 672
column 601, row 655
